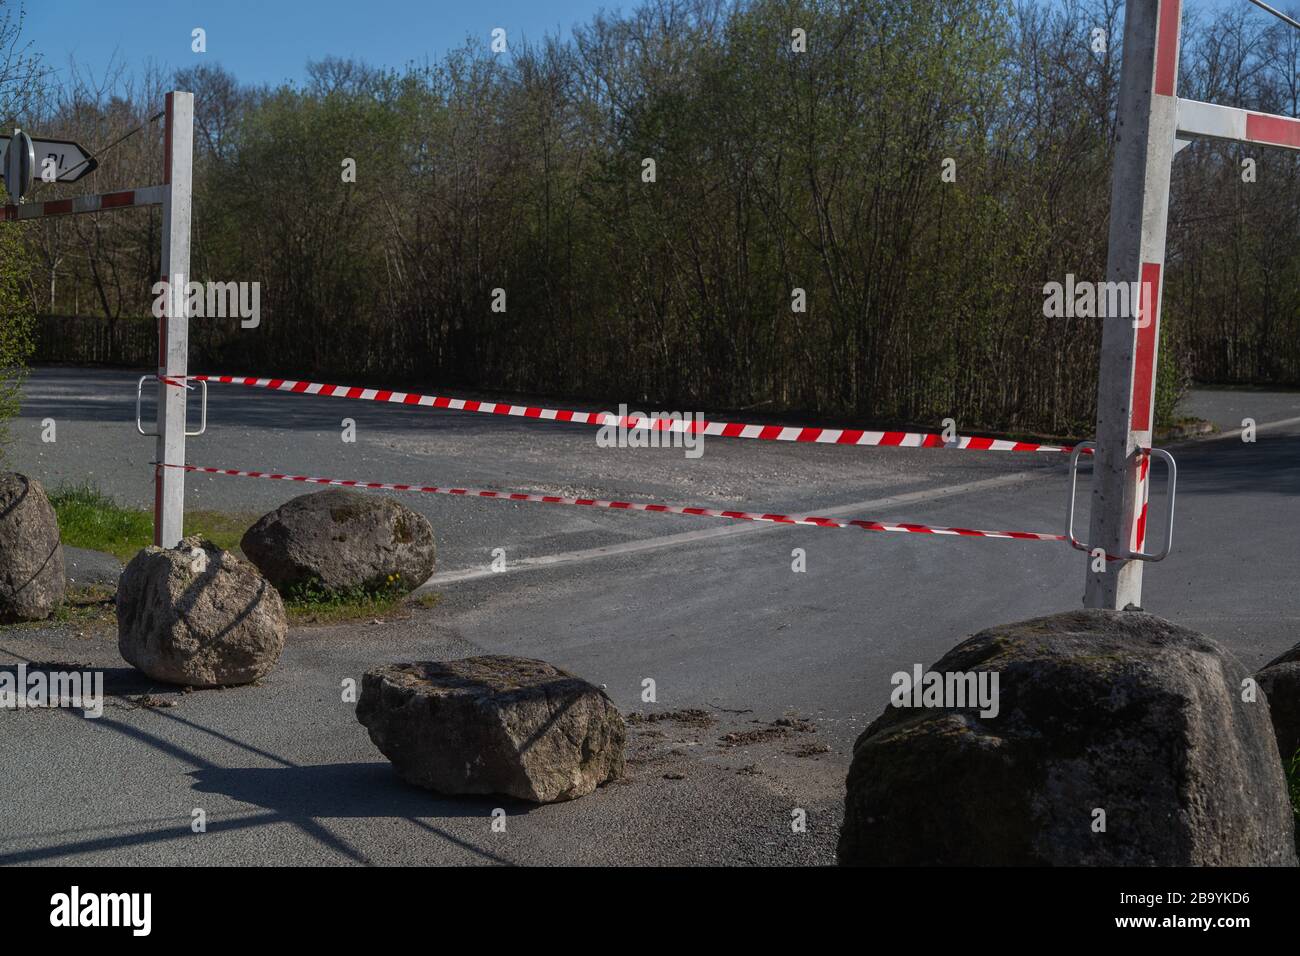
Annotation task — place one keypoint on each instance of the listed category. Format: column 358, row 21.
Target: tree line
column 848, row 207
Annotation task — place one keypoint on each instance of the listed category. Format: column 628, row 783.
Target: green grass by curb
column 88, row 518
column 312, row 605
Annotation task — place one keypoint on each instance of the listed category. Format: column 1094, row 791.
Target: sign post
column 18, row 164
column 173, row 326
column 63, row 161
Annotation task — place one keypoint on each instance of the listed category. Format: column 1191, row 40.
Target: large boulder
column 1280, row 681
column 496, row 724
column 341, row 541
column 199, row 616
column 32, row 582
column 1117, row 711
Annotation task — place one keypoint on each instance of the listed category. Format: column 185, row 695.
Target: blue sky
column 272, row 40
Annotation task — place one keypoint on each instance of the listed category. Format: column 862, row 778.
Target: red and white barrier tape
column 686, row 425
column 631, row 506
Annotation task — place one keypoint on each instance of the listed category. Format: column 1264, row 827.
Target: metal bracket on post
column 139, row 388
column 1078, row 545
column 203, row 409
column 203, row 414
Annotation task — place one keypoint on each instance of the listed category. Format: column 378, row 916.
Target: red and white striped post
column 1153, row 123
column 1139, row 204
column 173, row 326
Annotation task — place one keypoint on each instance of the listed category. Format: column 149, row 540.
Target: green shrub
column 17, row 323
column 1172, row 380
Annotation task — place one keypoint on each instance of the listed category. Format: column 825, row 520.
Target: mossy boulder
column 1118, row 738
column 341, row 542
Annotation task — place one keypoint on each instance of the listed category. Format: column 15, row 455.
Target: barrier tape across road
column 812, row 520
column 829, row 436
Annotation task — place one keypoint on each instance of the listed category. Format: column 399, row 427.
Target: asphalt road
column 711, row 611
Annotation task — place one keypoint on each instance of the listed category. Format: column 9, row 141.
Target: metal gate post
column 173, row 327
column 1147, row 118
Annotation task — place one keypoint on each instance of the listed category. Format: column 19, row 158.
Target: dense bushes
column 16, row 319
column 775, row 170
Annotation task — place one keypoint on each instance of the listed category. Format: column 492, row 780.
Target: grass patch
column 90, row 608
column 223, row 530
column 312, row 604
column 88, row 518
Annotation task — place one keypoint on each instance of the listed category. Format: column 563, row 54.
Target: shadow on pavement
column 300, row 796
column 341, row 790
column 66, row 394
column 118, row 681
column 1270, row 465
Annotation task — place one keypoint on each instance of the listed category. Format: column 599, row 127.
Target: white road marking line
column 1235, row 433
column 690, row 537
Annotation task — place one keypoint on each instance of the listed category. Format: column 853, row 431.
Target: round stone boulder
column 1280, row 681
column 199, row 616
column 495, row 724
column 32, row 582
column 1110, row 738
column 341, row 541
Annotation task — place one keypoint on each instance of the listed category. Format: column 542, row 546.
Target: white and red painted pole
column 123, row 199
column 1152, row 124
column 1146, row 128
column 173, row 327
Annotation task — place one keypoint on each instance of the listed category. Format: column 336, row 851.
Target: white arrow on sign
column 61, row 159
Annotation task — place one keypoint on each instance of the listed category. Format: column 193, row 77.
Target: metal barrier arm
column 1169, row 515
column 1235, row 125
column 139, row 387
column 203, row 409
